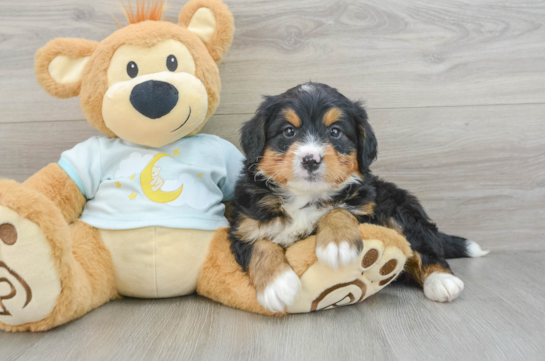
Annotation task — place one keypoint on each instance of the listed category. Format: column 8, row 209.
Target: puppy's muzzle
column 311, row 162
column 154, row 99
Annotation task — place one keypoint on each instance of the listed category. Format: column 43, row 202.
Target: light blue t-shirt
column 180, row 185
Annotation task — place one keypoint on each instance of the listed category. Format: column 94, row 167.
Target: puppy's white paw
column 281, row 293
column 335, row 256
column 443, row 287
column 474, row 250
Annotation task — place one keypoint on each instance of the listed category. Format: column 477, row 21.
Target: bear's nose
column 154, row 99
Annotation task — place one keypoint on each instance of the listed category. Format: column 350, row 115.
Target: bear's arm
column 60, row 188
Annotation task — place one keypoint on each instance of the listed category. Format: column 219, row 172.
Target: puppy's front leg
column 338, row 240
column 276, row 284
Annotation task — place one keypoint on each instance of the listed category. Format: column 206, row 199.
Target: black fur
column 392, row 203
column 367, row 142
column 253, row 145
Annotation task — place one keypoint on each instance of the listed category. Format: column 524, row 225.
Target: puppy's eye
column 335, row 132
column 172, row 63
column 132, row 69
column 289, row 132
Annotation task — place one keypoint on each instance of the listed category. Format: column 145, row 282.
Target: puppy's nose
column 311, row 162
column 154, row 99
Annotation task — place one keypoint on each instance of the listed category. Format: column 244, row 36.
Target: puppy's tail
column 458, row 247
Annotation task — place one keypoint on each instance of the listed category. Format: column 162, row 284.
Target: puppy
column 307, row 172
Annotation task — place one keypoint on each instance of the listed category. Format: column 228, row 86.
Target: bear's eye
column 132, row 69
column 172, row 63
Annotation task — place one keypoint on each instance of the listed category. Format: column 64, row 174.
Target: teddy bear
column 156, row 181
column 101, row 224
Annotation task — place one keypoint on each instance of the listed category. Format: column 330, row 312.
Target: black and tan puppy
column 307, row 171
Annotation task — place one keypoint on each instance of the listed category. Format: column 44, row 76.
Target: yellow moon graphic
column 145, row 181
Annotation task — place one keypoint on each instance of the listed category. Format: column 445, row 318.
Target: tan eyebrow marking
column 292, row 117
column 332, row 115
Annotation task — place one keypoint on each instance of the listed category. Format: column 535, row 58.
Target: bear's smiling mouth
column 183, row 122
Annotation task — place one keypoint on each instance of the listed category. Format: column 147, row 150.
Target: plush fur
column 81, row 261
column 72, row 48
column 57, row 186
column 335, row 133
column 93, row 267
column 301, row 255
column 223, row 34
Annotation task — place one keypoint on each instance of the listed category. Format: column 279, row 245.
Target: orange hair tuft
column 145, row 10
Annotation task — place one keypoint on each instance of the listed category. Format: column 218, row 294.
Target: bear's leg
column 50, row 272
column 382, row 259
column 94, row 282
column 222, row 279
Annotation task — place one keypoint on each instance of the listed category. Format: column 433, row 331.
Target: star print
column 132, row 196
column 200, row 175
column 176, row 152
column 118, row 185
column 132, row 176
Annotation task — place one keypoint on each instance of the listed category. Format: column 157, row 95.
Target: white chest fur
column 303, row 214
column 303, row 219
column 303, row 222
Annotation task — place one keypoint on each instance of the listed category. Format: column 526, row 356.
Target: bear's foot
column 381, row 261
column 29, row 283
column 36, row 262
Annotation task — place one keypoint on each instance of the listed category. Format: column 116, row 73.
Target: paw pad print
column 378, row 266
column 29, row 283
column 8, row 236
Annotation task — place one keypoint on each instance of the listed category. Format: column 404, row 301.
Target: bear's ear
column 60, row 64
column 212, row 22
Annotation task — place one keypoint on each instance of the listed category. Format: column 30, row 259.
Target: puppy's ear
column 367, row 142
column 253, row 134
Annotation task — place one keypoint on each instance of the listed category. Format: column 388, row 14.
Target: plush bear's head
column 151, row 82
column 155, row 171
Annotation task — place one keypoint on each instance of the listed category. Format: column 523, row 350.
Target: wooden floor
column 456, row 93
column 500, row 316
